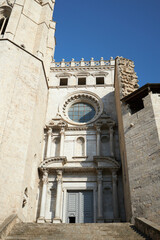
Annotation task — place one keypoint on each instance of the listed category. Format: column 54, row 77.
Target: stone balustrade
column 82, row 63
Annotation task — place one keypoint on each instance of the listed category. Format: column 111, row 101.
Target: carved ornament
column 48, row 161
column 81, row 96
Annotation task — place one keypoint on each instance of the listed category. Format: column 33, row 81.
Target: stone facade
column 81, row 158
column 79, row 140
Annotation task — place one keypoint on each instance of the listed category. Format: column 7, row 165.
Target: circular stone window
column 81, row 112
column 80, row 108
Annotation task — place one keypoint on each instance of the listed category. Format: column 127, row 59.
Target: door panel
column 80, row 205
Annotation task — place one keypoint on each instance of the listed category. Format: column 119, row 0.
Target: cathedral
column 79, row 140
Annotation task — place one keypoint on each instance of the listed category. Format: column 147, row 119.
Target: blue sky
column 105, row 28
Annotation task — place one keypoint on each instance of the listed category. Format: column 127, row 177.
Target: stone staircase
column 87, row 231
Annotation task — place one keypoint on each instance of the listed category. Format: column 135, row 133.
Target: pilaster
column 57, row 218
column 44, row 196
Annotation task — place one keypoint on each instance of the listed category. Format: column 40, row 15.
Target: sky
column 105, row 28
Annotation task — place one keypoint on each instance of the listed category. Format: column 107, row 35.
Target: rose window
column 81, row 112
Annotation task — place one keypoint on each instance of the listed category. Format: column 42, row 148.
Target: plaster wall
column 23, row 98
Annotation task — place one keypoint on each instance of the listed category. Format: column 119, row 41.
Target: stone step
column 92, row 231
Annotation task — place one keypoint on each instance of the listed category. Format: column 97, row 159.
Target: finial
column 101, row 58
column 72, row 59
column 111, row 58
column 92, row 59
column 63, row 59
column 82, row 59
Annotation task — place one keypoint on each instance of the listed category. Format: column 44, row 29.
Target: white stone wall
column 30, row 26
column 77, row 164
column 23, row 99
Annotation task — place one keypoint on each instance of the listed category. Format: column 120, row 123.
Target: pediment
column 63, row 75
column 106, row 162
column 57, row 122
column 100, row 74
column 82, row 74
column 53, row 162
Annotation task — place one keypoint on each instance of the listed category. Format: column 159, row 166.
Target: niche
column 80, row 147
column 56, row 146
column 105, row 146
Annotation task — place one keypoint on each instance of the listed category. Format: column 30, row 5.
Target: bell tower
column 27, row 45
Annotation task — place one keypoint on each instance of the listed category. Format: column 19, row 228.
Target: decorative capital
column 114, row 176
column 99, row 176
column 59, row 176
column 49, row 131
column 98, row 129
column 111, row 128
column 62, row 130
column 45, row 176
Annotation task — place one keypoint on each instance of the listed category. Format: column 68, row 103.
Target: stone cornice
column 88, row 68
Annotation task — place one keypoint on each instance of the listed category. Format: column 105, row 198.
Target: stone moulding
column 81, row 96
column 49, row 161
column 106, row 162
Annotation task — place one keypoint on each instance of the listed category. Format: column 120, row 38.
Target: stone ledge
column 147, row 227
column 7, row 225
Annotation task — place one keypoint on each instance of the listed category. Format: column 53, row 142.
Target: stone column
column 49, row 142
column 44, row 196
column 115, row 195
column 57, row 218
column 111, row 141
column 62, row 133
column 98, row 131
column 100, row 196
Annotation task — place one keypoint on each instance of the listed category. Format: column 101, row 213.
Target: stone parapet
column 147, row 227
column 82, row 63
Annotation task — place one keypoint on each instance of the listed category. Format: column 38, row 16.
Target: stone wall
column 23, row 100
column 31, row 26
column 118, row 96
column 143, row 154
column 140, row 147
column 127, row 76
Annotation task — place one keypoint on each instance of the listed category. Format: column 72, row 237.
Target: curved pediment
column 53, row 162
column 100, row 74
column 82, row 74
column 63, row 75
column 106, row 162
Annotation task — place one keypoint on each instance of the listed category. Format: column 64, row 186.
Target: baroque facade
column 73, row 148
column 81, row 149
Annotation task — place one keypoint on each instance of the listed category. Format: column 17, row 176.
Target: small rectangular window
column 99, row 80
column 81, row 81
column 63, row 81
column 136, row 106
